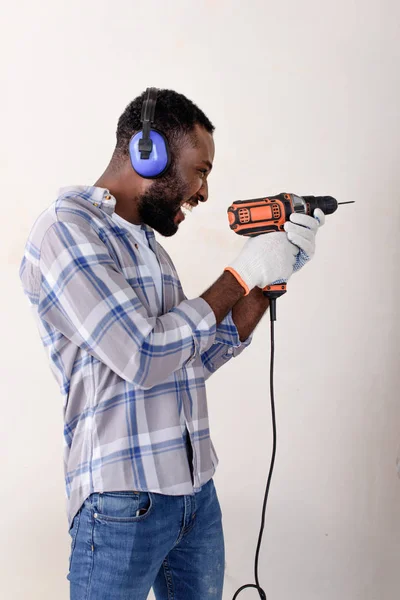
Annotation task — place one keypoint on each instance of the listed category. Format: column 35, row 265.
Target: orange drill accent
column 274, row 291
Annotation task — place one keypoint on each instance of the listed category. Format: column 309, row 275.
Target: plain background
column 305, row 98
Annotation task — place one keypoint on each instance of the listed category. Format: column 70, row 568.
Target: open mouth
column 185, row 209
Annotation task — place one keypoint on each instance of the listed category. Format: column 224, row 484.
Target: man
column 131, row 355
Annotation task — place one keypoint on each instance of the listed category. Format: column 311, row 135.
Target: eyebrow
column 207, row 163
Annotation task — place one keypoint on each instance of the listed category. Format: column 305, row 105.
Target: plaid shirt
column 131, row 368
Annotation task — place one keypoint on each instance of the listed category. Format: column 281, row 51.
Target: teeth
column 186, row 208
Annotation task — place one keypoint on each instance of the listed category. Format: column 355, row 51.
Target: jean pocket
column 123, row 507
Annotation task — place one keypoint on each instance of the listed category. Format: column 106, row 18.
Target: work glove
column 263, row 260
column 301, row 231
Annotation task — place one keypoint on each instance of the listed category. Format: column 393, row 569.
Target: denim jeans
column 125, row 543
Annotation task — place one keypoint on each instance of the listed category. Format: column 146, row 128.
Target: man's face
column 185, row 184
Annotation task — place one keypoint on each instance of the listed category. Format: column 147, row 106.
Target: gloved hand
column 301, row 230
column 263, row 260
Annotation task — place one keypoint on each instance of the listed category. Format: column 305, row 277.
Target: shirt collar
column 99, row 197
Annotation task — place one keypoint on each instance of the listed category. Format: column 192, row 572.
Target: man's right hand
column 263, row 260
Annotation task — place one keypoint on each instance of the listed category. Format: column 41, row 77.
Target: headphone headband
column 148, row 149
column 149, row 105
column 147, row 118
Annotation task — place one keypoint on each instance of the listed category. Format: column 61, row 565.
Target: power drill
column 265, row 215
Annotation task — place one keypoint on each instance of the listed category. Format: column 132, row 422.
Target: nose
column 203, row 193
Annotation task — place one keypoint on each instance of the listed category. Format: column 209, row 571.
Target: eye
column 203, row 173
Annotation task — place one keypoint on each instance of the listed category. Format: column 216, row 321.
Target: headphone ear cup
column 159, row 159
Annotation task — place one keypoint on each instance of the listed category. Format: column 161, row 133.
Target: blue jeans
column 124, row 543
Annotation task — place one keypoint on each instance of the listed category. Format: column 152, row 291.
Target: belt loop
column 92, row 500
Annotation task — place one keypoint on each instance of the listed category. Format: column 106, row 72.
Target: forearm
column 248, row 312
column 223, row 295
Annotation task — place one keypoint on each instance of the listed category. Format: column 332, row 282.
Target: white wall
column 305, row 97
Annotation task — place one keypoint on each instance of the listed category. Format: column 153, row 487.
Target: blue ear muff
column 158, row 159
column 148, row 149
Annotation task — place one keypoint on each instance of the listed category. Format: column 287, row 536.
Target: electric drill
column 265, row 215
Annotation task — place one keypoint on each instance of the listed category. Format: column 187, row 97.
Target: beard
column 159, row 205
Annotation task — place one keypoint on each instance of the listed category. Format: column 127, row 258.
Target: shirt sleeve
column 84, row 295
column 226, row 345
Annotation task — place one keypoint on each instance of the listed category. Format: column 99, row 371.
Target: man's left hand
column 301, row 231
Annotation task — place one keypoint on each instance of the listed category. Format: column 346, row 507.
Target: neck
column 121, row 185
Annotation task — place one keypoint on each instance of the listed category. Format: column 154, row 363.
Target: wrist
column 232, row 282
column 223, row 295
column 238, row 279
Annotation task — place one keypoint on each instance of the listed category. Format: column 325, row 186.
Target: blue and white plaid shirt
column 131, row 368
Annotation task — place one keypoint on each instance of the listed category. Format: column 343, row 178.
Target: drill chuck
column 327, row 204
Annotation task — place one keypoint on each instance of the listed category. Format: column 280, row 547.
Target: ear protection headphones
column 148, row 149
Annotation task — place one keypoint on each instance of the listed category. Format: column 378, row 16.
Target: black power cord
column 257, row 586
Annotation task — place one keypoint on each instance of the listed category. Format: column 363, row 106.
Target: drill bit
column 351, row 202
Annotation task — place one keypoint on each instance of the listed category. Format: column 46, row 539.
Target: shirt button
column 95, row 515
column 108, row 197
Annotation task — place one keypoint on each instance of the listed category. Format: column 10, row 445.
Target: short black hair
column 175, row 116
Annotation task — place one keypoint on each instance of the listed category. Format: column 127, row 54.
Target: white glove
column 301, row 230
column 263, row 260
